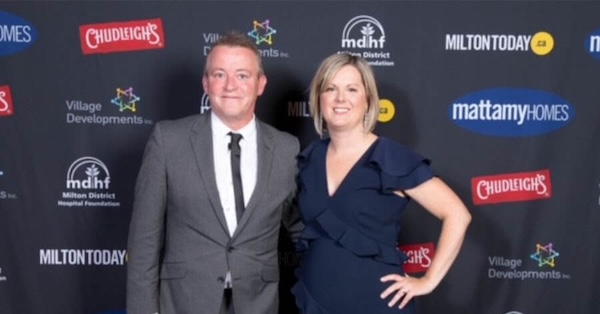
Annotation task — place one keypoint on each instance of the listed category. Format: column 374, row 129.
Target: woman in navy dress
column 353, row 188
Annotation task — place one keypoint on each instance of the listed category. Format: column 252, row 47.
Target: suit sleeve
column 146, row 230
column 291, row 216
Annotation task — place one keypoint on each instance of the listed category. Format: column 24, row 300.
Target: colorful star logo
column 125, row 99
column 262, row 32
column 544, row 255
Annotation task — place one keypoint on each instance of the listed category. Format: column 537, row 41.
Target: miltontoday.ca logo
column 540, row 43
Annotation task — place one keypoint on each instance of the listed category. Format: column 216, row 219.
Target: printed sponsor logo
column 301, row 109
column 592, row 44
column 288, row 259
column 16, row 34
column 6, row 102
column 511, row 112
column 209, row 40
column 540, row 43
column 419, row 257
column 263, row 33
column 204, row 104
column 511, row 187
column 88, row 185
column 80, row 112
column 298, row 109
column 122, row 36
column 6, row 195
column 2, row 276
column 387, row 110
column 81, row 257
column 364, row 36
column 126, row 100
column 544, row 256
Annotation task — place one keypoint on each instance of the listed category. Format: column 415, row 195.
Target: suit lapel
column 264, row 147
column 201, row 140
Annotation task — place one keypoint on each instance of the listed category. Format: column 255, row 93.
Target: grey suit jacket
column 179, row 248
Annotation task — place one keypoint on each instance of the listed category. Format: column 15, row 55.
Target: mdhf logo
column 88, row 173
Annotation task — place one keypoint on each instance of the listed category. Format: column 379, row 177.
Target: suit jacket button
column 229, row 249
column 221, row 280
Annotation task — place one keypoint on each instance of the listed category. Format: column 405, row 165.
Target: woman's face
column 343, row 100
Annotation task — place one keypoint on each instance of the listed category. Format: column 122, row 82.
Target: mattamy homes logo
column 592, row 44
column 511, row 112
column 16, row 34
column 88, row 185
column 123, row 110
column 364, row 36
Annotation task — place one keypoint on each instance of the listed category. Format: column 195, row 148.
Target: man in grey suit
column 189, row 252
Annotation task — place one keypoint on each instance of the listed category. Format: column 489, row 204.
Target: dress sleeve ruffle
column 400, row 167
column 304, row 155
column 326, row 223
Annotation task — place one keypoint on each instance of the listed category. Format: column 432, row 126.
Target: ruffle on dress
column 303, row 156
column 328, row 224
column 399, row 167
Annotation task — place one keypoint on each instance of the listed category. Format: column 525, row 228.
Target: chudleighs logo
column 592, row 44
column 122, row 36
column 16, row 34
column 511, row 112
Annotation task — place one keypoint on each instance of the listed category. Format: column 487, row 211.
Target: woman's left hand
column 404, row 287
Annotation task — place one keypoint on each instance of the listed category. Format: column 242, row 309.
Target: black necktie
column 236, row 174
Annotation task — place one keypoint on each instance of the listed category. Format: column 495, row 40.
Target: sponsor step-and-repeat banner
column 502, row 97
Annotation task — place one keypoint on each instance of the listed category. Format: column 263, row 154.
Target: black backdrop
column 502, row 96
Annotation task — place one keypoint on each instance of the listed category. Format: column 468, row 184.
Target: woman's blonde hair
column 326, row 71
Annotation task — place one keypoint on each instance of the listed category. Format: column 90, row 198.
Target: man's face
column 233, row 83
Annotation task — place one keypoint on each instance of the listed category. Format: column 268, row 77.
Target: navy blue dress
column 349, row 241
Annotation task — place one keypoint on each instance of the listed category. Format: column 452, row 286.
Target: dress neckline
column 359, row 161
